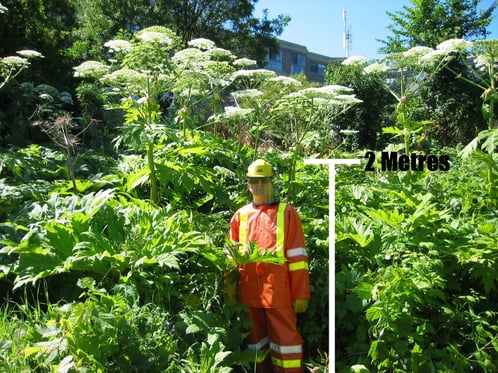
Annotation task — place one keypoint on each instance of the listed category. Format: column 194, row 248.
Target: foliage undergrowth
column 415, row 270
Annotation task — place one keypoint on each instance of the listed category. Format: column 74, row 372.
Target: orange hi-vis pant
column 277, row 341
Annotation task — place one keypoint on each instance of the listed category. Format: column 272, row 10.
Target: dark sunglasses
column 256, row 180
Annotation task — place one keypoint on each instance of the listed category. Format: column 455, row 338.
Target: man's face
column 261, row 186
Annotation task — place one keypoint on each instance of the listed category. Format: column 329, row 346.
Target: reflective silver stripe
column 296, row 252
column 296, row 349
column 260, row 344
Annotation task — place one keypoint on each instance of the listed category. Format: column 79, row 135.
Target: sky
column 319, row 24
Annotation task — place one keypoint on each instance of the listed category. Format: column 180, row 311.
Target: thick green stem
column 256, row 138
column 292, row 171
column 70, row 170
column 490, row 181
column 70, row 167
column 491, row 113
column 154, row 194
column 402, row 120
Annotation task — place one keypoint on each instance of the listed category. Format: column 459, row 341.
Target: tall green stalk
column 154, row 192
column 150, row 108
column 486, row 56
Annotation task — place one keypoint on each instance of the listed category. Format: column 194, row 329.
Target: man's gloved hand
column 300, row 305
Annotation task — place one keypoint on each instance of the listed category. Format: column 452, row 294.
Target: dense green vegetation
column 114, row 218
column 446, row 19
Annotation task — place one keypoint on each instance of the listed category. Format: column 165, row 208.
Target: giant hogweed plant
column 483, row 63
column 134, row 79
column 246, row 112
column 306, row 114
column 102, row 234
column 401, row 73
column 415, row 65
column 12, row 66
column 286, row 115
column 481, row 58
column 485, row 67
column 285, row 112
column 158, row 87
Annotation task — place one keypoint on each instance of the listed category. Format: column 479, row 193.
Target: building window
column 276, row 61
column 297, row 63
column 317, row 68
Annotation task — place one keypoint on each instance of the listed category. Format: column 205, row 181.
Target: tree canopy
column 446, row 19
column 69, row 31
column 229, row 23
column 44, row 26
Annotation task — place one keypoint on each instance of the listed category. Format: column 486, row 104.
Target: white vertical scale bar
column 332, row 267
column 332, row 163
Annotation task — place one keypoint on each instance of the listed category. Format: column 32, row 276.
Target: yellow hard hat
column 259, row 168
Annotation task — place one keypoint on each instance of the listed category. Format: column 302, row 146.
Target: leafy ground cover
column 417, row 266
column 106, row 280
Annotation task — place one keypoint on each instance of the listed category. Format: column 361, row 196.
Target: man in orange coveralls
column 274, row 293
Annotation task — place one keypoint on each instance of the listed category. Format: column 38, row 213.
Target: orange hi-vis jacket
column 276, row 228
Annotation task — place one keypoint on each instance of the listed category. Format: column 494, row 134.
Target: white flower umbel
column 28, row 53
column 118, row 45
column 256, row 73
column 454, row 45
column 235, row 112
column 416, row 57
column 46, row 97
column 202, row 44
column 328, row 91
column 327, row 98
column 286, row 80
column 347, row 99
column 12, row 66
column 483, row 62
column 244, row 62
column 154, row 37
column 417, row 52
column 220, row 54
column 190, row 56
column 90, row 69
column 354, row 61
column 247, row 93
column 486, row 52
column 348, row 132
column 375, row 68
column 131, row 80
column 325, row 103
column 15, row 61
column 433, row 58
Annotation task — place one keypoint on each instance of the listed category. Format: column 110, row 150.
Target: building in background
column 295, row 59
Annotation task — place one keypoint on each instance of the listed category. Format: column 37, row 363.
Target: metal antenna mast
column 347, row 33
